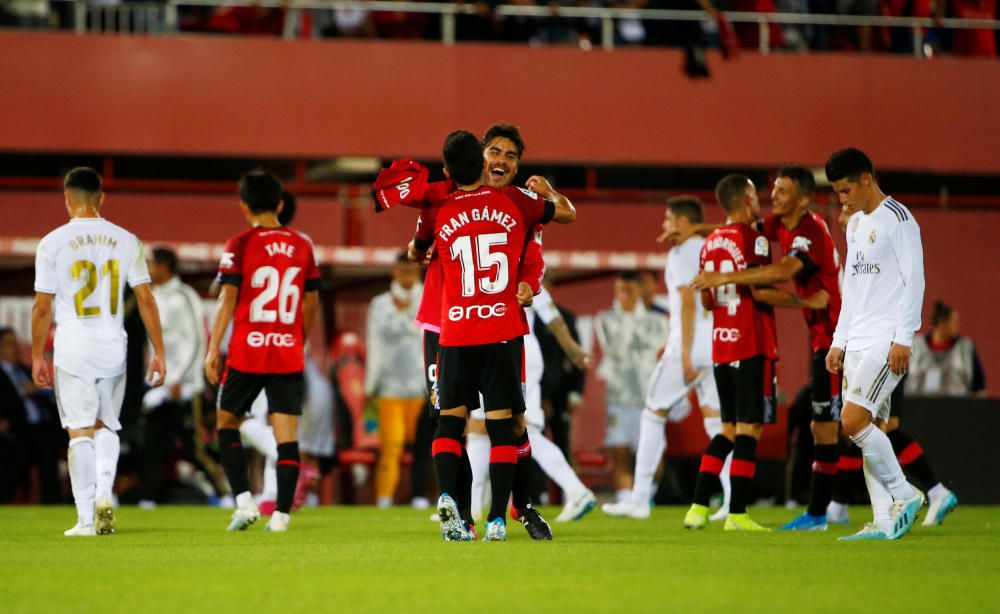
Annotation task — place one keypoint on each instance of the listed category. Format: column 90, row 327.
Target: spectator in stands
column 26, row 14
column 256, row 19
column 861, row 37
column 944, row 362
column 630, row 336
column 172, row 412
column 400, row 25
column 977, row 43
column 901, row 39
column 344, row 23
column 30, row 434
column 394, row 373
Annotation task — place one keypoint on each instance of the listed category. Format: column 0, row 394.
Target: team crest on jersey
column 761, row 247
column 801, row 243
column 871, row 237
column 528, row 193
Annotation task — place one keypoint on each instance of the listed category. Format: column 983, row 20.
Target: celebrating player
column 685, row 364
column 480, row 234
column 810, row 258
column 744, row 349
column 83, row 267
column 883, row 293
column 270, row 288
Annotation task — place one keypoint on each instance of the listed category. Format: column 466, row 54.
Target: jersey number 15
column 485, row 260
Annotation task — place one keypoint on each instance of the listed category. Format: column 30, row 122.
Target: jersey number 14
column 726, row 295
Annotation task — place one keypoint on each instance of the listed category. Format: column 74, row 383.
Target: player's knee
column 825, row 432
column 729, row 430
column 746, row 428
column 854, row 419
column 500, row 414
column 226, row 420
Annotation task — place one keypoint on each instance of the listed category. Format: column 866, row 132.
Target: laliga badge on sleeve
column 761, row 247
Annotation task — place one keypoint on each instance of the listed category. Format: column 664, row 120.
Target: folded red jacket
column 403, row 183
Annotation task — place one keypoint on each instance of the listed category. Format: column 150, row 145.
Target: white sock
column 877, row 450
column 478, row 447
column 260, row 436
column 269, row 491
column 713, row 426
column 937, row 491
column 550, row 458
column 106, row 449
column 623, row 494
column 244, row 500
column 881, row 499
column 83, row 477
column 652, row 444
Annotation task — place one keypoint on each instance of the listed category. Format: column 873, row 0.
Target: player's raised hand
column 212, row 366
column 525, row 295
column 835, row 360
column 157, row 371
column 40, row 373
column 706, row 280
column 540, row 185
column 899, row 358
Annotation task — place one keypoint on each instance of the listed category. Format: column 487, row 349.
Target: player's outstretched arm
column 565, row 211
column 41, row 321
column 787, row 300
column 688, row 309
column 782, row 271
column 150, row 315
column 224, row 313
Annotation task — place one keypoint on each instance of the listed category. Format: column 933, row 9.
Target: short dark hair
column 687, row 206
column 941, row 312
column 463, row 157
column 505, row 131
column 260, row 190
column 730, row 190
column 802, row 177
column 849, row 163
column 164, row 255
column 287, row 213
column 83, row 179
column 402, row 258
column 629, row 276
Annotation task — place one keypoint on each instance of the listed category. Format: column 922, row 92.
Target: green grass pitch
column 352, row 559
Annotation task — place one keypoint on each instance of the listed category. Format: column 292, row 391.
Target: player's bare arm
column 565, row 211
column 223, row 315
column 41, row 321
column 575, row 353
column 782, row 271
column 150, row 315
column 789, row 300
column 310, row 307
column 688, row 308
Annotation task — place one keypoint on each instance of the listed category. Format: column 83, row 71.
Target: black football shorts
column 494, row 369
column 238, row 390
column 747, row 390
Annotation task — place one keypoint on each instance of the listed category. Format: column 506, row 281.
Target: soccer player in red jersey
column 503, row 148
column 811, row 261
column 270, row 286
column 744, row 349
column 481, row 233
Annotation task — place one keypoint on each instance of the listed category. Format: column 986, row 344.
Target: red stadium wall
column 247, row 96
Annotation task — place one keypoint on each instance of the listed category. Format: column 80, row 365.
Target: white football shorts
column 82, row 401
column 868, row 381
column 668, row 391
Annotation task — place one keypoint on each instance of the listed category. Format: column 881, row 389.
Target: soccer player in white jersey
column 81, row 269
column 686, row 362
column 882, row 296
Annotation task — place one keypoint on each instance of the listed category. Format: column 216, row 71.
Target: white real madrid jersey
column 85, row 264
column 682, row 266
column 883, row 279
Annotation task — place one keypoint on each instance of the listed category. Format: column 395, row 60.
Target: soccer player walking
column 81, row 269
column 744, row 349
column 270, row 286
column 883, row 293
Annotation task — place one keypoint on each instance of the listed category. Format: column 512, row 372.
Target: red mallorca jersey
column 741, row 327
column 812, row 243
column 273, row 268
column 480, row 237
